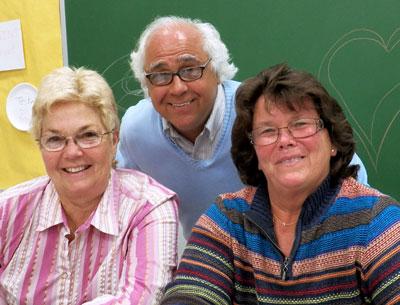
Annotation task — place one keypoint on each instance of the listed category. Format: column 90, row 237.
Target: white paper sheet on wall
column 11, row 46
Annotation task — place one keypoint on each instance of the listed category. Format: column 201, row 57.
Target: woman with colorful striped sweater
column 303, row 231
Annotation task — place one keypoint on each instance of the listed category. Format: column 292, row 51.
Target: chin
column 293, row 181
column 80, row 189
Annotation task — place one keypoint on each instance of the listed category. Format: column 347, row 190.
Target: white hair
column 212, row 45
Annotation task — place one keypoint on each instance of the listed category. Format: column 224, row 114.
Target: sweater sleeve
column 205, row 274
column 381, row 259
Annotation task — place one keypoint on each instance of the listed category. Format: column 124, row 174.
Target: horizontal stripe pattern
column 349, row 255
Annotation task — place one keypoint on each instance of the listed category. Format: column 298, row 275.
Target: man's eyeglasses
column 86, row 139
column 187, row 74
column 298, row 129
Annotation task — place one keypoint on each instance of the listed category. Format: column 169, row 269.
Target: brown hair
column 290, row 89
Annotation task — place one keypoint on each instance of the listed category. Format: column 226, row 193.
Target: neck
column 286, row 207
column 191, row 136
column 287, row 203
column 78, row 212
column 282, row 223
column 285, row 214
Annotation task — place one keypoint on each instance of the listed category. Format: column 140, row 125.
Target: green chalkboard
column 353, row 46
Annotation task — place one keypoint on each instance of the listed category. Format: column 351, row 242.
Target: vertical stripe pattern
column 124, row 253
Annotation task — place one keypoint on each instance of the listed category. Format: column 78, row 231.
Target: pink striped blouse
column 124, row 253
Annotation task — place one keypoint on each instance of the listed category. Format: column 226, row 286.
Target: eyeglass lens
column 302, row 128
column 185, row 74
column 86, row 139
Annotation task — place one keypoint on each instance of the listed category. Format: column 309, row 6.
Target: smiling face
column 289, row 164
column 78, row 174
column 186, row 105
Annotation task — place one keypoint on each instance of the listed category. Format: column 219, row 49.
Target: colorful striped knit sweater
column 346, row 251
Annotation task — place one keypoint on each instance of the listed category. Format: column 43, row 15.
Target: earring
column 333, row 150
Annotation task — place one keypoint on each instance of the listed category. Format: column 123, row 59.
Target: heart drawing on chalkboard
column 362, row 71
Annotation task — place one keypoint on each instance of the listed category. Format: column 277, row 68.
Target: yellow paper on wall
column 41, row 35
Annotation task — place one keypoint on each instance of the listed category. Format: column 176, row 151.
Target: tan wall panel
column 40, row 24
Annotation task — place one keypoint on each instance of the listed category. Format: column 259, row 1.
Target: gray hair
column 212, row 45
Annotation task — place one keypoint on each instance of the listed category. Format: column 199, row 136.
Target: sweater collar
column 312, row 209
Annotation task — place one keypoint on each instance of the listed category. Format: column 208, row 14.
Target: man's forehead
column 174, row 45
column 179, row 59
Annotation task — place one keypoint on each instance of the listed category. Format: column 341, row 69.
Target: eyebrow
column 271, row 124
column 183, row 59
column 83, row 128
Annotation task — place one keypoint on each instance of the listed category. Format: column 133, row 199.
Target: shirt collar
column 49, row 208
column 105, row 217
column 312, row 209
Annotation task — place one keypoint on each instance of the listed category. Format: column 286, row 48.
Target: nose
column 178, row 86
column 72, row 148
column 285, row 137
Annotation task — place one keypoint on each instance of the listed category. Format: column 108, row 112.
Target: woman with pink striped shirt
column 86, row 233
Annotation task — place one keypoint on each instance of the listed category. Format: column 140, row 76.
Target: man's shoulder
column 230, row 85
column 139, row 117
column 139, row 111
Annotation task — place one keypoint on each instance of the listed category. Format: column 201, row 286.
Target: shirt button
column 64, row 275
